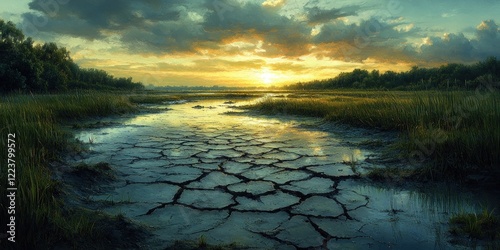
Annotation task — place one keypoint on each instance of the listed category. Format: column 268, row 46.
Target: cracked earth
column 262, row 182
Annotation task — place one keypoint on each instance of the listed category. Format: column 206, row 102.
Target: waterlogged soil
column 205, row 170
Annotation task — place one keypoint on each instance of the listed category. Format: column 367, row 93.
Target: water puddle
column 262, row 182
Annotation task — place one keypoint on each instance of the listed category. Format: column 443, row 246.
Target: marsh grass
column 99, row 171
column 484, row 225
column 392, row 174
column 454, row 133
column 351, row 161
column 201, row 244
column 35, row 120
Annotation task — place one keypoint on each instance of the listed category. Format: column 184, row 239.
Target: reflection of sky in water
column 183, row 118
column 212, row 119
column 353, row 156
column 399, row 214
column 431, row 201
column 409, row 215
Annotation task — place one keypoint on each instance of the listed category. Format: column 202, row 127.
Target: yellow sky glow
column 248, row 43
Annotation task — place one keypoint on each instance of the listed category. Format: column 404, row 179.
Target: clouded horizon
column 255, row 43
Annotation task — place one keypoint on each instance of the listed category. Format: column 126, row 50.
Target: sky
column 259, row 42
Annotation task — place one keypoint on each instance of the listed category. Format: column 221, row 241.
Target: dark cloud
column 212, row 26
column 357, row 42
column 451, row 47
column 372, row 29
column 33, row 24
column 281, row 35
column 90, row 19
column 163, row 37
column 385, row 41
column 457, row 47
column 487, row 39
column 172, row 26
column 337, row 31
column 316, row 15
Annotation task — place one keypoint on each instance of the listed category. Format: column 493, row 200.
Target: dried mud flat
column 259, row 182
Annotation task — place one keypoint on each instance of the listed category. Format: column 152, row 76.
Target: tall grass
column 484, row 225
column 454, row 132
column 40, row 219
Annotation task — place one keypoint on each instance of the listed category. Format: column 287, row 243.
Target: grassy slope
column 39, row 140
column 455, row 132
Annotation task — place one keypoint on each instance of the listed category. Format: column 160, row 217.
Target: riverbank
column 453, row 134
column 299, row 176
column 41, row 217
column 38, row 124
column 37, row 121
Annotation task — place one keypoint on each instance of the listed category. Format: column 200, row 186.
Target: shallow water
column 263, row 182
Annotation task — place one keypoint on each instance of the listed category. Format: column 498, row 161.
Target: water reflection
column 416, row 218
column 297, row 163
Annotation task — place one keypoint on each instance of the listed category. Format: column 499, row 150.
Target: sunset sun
column 267, row 76
column 249, row 124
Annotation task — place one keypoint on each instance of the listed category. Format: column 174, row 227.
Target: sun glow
column 267, row 76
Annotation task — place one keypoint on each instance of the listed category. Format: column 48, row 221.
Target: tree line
column 450, row 76
column 45, row 68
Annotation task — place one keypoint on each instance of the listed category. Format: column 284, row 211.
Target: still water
column 204, row 169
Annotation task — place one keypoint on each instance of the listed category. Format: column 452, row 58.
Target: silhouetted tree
column 46, row 67
column 450, row 76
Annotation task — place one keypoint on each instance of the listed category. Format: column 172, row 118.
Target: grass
column 351, row 162
column 101, row 171
column 202, row 244
column 482, row 226
column 392, row 174
column 41, row 219
column 454, row 133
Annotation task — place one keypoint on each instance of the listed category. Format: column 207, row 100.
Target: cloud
column 163, row 37
column 233, row 27
column 282, row 36
column 274, row 3
column 487, row 39
column 458, row 48
column 98, row 18
column 336, row 31
column 35, row 23
column 157, row 26
column 217, row 65
column 370, row 38
column 316, row 15
column 289, row 66
column 451, row 47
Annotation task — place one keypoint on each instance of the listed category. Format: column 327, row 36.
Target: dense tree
column 46, row 67
column 450, row 76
